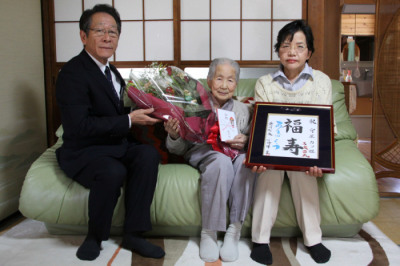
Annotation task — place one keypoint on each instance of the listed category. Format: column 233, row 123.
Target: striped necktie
column 108, row 75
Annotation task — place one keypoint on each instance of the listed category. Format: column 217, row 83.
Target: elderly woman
column 223, row 180
column 294, row 82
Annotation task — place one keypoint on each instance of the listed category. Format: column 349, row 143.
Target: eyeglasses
column 299, row 48
column 101, row 32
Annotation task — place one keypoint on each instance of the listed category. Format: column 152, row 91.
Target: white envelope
column 227, row 124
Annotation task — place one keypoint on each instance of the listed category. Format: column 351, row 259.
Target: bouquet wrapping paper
column 174, row 94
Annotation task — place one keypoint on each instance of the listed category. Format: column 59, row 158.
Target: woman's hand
column 259, row 169
column 256, row 169
column 315, row 171
column 172, row 127
column 238, row 142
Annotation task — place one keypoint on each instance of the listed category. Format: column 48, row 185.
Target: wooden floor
column 388, row 219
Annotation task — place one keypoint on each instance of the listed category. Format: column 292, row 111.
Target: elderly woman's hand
column 172, row 127
column 238, row 142
column 315, row 171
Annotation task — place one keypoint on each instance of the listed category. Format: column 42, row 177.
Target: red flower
column 170, row 91
column 169, row 71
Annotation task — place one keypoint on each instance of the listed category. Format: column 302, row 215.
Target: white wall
column 22, row 98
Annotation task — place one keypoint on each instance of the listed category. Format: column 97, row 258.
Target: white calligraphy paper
column 227, row 124
column 294, row 136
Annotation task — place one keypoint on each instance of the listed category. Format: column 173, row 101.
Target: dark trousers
column 104, row 177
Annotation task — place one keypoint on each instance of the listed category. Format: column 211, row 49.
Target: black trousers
column 138, row 169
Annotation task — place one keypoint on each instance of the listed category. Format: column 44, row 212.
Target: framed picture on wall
column 292, row 137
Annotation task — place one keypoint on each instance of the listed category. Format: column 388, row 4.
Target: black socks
column 319, row 253
column 90, row 249
column 142, row 246
column 261, row 253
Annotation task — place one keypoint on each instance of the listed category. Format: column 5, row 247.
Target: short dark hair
column 290, row 29
column 86, row 18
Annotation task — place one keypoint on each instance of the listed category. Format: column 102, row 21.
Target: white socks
column 209, row 246
column 230, row 250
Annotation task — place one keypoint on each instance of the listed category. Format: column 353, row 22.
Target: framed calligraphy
column 292, row 137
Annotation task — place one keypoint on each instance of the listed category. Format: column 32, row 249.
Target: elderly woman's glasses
column 299, row 48
column 101, row 32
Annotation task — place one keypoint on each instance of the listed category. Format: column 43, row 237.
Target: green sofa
column 349, row 197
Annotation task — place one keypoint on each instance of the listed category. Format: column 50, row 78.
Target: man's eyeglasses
column 298, row 48
column 101, row 32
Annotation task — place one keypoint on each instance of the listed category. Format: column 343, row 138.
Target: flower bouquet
column 174, row 94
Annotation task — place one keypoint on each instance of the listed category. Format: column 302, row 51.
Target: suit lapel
column 103, row 83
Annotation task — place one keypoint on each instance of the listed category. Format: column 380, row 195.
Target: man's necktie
column 108, row 75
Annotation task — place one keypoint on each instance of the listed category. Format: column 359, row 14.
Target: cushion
column 345, row 128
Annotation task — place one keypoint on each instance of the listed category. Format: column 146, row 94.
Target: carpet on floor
column 29, row 243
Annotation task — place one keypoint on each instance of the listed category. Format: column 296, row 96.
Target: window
column 182, row 31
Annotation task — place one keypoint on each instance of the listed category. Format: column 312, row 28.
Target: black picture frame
column 260, row 152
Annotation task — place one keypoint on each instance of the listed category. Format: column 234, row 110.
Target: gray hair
column 221, row 61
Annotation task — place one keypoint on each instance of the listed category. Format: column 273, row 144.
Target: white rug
column 28, row 243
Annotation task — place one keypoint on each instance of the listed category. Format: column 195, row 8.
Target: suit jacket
column 94, row 123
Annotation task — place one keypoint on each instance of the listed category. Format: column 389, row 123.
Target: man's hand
column 315, row 171
column 172, row 127
column 141, row 117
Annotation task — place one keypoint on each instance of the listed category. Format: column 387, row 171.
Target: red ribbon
column 213, row 138
column 217, row 145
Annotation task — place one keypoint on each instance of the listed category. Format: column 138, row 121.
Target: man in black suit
column 98, row 151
